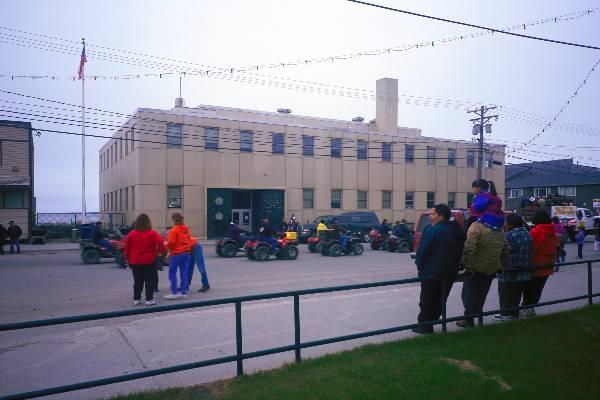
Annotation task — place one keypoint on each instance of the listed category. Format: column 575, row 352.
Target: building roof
column 550, row 173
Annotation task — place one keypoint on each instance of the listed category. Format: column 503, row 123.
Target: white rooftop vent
column 284, row 111
column 358, row 119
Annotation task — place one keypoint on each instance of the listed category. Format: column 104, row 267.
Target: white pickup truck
column 573, row 217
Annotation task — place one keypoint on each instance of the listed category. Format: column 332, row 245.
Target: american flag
column 81, row 63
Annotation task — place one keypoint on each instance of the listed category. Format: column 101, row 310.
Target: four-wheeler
column 400, row 244
column 261, row 251
column 228, row 247
column 314, row 244
column 333, row 246
column 91, row 253
column 360, row 222
column 378, row 240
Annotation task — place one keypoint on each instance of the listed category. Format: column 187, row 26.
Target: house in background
column 16, row 175
column 579, row 183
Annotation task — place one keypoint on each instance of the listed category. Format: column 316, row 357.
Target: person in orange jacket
column 179, row 242
column 545, row 244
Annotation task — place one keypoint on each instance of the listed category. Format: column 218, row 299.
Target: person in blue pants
column 179, row 242
column 197, row 257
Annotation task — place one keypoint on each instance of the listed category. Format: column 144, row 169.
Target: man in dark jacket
column 98, row 237
column 384, row 228
column 266, row 233
column 3, row 234
column 14, row 234
column 437, row 261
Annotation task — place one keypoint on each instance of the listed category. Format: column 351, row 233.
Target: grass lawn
column 550, row 357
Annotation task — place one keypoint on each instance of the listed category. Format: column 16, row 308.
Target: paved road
column 39, row 286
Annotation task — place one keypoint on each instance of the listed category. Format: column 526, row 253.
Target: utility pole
column 479, row 124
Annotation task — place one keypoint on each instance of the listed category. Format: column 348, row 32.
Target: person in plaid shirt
column 511, row 283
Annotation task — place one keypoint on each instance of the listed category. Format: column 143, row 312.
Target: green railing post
column 589, row 278
column 297, row 328
column 238, row 338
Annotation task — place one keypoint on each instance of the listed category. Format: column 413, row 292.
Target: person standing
column 437, row 260
column 561, row 232
column 597, row 235
column 179, row 242
column 486, row 252
column 142, row 246
column 544, row 255
column 513, row 280
column 197, row 258
column 579, row 238
column 3, row 235
column 14, row 234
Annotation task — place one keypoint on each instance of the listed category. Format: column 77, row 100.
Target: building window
column 278, row 143
column 409, row 200
column 570, row 191
column 541, row 191
column 11, row 200
column 133, row 197
column 430, row 155
column 336, row 147
column 111, row 201
column 515, row 193
column 132, row 137
column 451, row 157
column 489, row 159
column 386, row 199
column 308, row 198
column 174, row 136
column 336, row 199
column 126, row 143
column 211, row 138
column 362, row 150
column 469, row 200
column 409, row 153
column 430, row 199
column 246, row 141
column 126, row 198
column 121, row 148
column 452, row 200
column 308, row 145
column 120, row 199
column 470, row 158
column 174, row 198
column 386, row 152
column 362, row 199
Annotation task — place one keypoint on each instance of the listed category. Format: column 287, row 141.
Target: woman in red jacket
column 142, row 246
column 544, row 254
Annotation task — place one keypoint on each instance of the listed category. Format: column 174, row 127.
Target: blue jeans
column 270, row 240
column 106, row 244
column 197, row 257
column 179, row 261
column 344, row 240
column 15, row 242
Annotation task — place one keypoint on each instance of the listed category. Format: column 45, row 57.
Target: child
column 597, row 241
column 580, row 238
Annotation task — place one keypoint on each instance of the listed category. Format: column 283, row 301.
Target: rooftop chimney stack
column 386, row 109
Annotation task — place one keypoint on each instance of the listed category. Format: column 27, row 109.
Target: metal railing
column 240, row 356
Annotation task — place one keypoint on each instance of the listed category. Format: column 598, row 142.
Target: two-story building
column 219, row 164
column 16, row 175
column 578, row 183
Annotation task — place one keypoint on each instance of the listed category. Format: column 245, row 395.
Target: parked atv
column 228, row 247
column 399, row 244
column 314, row 244
column 335, row 248
column 378, row 240
column 91, row 253
column 261, row 251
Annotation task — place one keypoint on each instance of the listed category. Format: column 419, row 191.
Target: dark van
column 357, row 222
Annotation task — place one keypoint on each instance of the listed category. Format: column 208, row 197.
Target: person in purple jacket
column 487, row 206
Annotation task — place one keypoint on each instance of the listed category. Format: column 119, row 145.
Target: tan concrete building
column 16, row 175
column 216, row 164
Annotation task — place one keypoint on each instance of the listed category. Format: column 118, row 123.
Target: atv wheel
column 374, row 246
column 312, row 248
column 335, row 250
column 120, row 259
column 392, row 247
column 262, row 253
column 90, row 256
column 404, row 247
column 291, row 252
column 229, row 250
column 358, row 249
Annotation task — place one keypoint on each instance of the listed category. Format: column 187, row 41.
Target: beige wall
column 152, row 167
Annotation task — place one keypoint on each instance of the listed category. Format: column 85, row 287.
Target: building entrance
column 242, row 218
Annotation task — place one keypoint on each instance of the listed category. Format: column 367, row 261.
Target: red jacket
column 544, row 248
column 142, row 247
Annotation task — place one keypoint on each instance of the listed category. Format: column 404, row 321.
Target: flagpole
column 83, row 207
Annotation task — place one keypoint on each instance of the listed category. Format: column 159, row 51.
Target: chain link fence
column 66, row 225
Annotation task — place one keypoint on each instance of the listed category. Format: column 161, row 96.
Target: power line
column 306, row 61
column 493, row 30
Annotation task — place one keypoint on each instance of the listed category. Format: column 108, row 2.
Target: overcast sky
column 528, row 75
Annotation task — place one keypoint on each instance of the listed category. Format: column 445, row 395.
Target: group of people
column 144, row 250
column 13, row 234
column 493, row 246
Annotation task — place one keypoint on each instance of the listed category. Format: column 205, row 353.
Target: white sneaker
column 137, row 302
column 171, row 297
column 183, row 296
column 150, row 302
